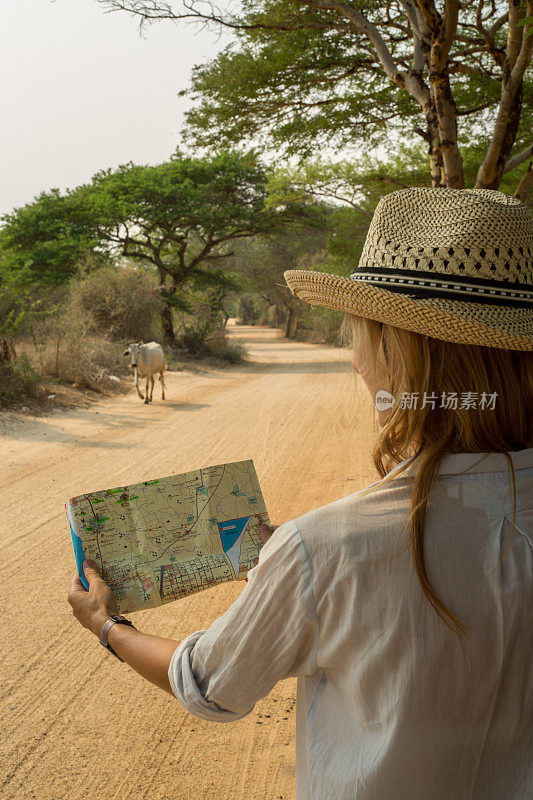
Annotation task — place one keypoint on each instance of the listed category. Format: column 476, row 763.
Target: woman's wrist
column 97, row 622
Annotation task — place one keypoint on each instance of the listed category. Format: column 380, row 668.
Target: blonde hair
column 409, row 362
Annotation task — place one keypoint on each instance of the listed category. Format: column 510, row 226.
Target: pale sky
column 82, row 91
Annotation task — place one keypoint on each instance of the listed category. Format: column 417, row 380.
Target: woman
column 405, row 609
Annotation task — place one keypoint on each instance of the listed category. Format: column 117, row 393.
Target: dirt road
column 75, row 722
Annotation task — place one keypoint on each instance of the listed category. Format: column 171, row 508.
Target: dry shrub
column 18, row 381
column 91, row 362
column 120, row 303
column 82, row 342
column 74, row 354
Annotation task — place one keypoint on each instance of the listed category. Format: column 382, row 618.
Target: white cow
column 146, row 360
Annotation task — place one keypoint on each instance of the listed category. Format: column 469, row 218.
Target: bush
column 69, row 350
column 219, row 349
column 191, row 344
column 87, row 361
column 81, row 342
column 222, row 350
column 18, row 381
column 202, row 327
column 120, row 303
column 319, row 325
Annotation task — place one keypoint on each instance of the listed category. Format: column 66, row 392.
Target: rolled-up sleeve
column 269, row 633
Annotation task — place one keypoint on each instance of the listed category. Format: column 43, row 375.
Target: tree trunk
column 292, row 322
column 436, row 165
column 491, row 171
column 167, row 324
column 526, row 184
column 447, row 123
column 5, row 351
column 517, row 58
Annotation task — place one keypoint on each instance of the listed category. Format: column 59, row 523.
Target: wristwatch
column 110, row 621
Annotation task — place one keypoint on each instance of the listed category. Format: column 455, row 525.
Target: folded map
column 163, row 539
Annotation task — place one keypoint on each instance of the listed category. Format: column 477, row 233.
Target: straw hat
column 453, row 264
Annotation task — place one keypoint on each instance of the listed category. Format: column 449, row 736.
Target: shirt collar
column 454, row 463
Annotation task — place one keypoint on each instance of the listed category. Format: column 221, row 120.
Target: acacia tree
column 180, row 215
column 308, row 72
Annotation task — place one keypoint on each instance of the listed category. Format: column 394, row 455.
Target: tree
column 179, row 216
column 18, row 306
column 313, row 72
column 46, row 239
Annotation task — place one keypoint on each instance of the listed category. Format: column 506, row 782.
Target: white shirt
column 391, row 704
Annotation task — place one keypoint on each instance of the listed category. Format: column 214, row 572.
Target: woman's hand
column 265, row 532
column 92, row 607
column 148, row 655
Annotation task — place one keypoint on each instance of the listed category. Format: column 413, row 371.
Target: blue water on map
column 230, row 530
column 80, row 557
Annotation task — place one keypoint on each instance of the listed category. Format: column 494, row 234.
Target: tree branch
column 474, row 109
column 526, row 184
column 488, row 35
column 515, row 161
column 362, row 24
column 431, row 16
column 517, row 59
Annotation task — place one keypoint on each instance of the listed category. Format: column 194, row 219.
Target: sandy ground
column 75, row 722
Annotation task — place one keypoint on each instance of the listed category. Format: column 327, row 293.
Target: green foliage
column 262, row 261
column 253, row 309
column 14, row 310
column 157, row 213
column 203, row 322
column 529, row 22
column 46, row 239
column 178, row 216
column 298, row 81
column 352, row 188
column 303, row 77
column 18, row 306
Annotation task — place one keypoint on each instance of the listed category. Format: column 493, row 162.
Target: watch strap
column 113, row 619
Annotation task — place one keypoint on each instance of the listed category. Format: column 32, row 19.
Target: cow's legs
column 151, row 386
column 136, row 378
column 162, row 379
column 147, row 399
